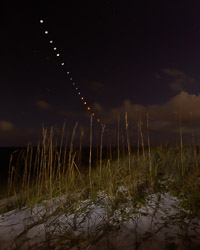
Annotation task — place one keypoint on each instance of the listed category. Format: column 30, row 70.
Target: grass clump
column 50, row 170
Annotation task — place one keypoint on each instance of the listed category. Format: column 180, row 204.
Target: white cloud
column 98, row 107
column 179, row 80
column 43, row 105
column 174, row 73
column 162, row 117
column 6, row 126
column 96, row 86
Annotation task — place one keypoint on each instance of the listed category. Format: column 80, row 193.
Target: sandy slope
column 155, row 225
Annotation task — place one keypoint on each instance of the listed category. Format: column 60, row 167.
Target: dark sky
column 125, row 56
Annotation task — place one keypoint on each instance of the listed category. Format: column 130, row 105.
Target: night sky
column 124, row 56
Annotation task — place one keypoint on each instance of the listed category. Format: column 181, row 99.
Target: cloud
column 158, row 76
column 96, row 86
column 174, row 73
column 97, row 107
column 69, row 114
column 73, row 115
column 43, row 105
column 6, row 126
column 179, row 80
column 165, row 117
column 20, row 136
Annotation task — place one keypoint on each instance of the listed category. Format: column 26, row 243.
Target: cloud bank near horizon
column 167, row 116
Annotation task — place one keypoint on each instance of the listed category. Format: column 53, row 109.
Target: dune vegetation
column 123, row 185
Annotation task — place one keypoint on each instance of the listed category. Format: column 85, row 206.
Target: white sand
column 154, row 225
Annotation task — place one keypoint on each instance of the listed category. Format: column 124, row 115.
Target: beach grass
column 129, row 174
